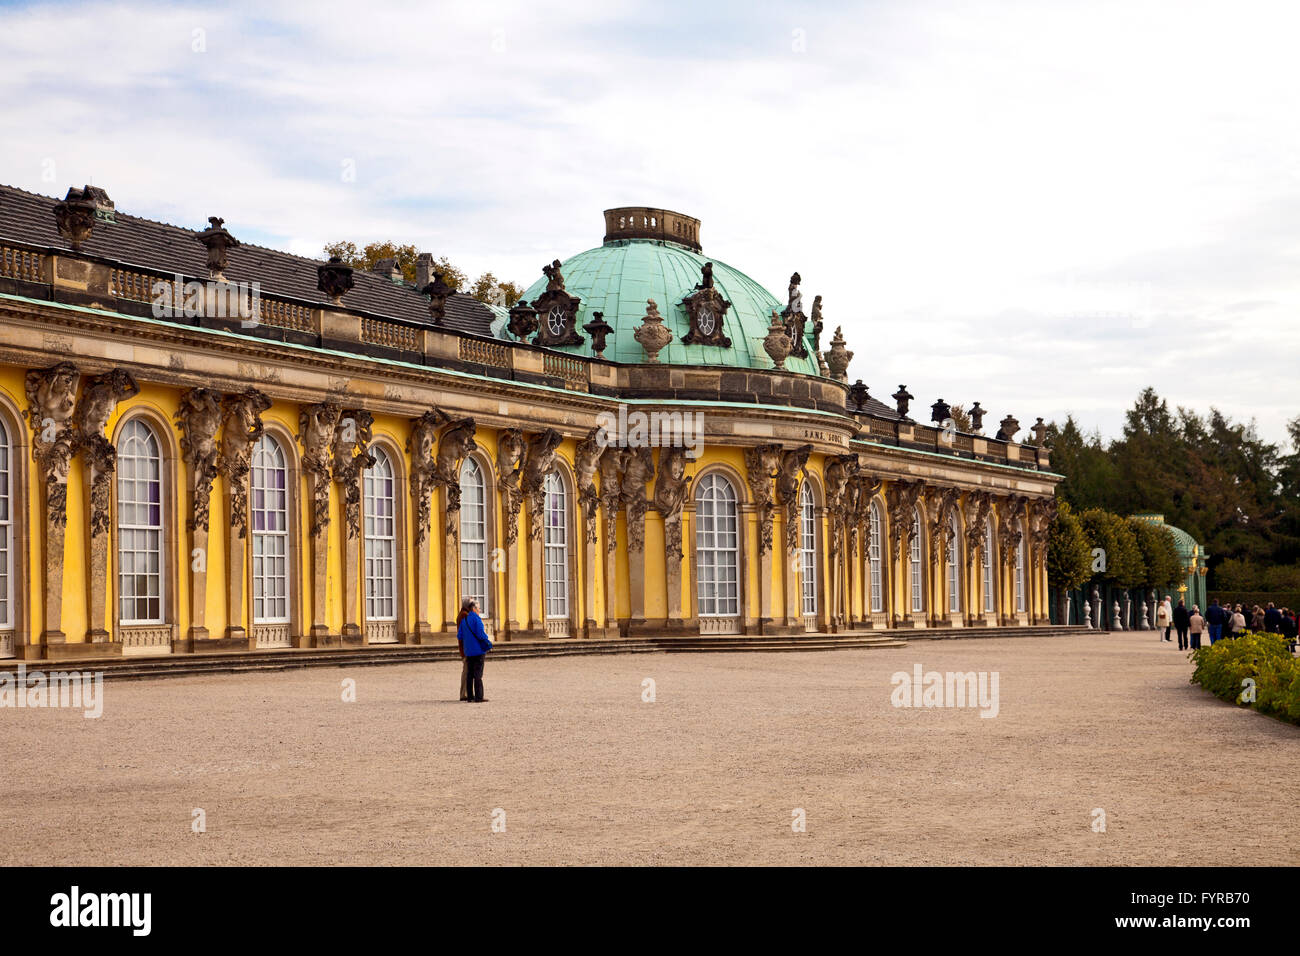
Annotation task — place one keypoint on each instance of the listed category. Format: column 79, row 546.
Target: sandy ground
column 710, row 772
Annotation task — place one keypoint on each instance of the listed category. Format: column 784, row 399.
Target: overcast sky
column 1043, row 206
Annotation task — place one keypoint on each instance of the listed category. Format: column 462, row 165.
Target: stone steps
column 235, row 662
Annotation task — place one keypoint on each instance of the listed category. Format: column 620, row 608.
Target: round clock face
column 555, row 321
column 706, row 321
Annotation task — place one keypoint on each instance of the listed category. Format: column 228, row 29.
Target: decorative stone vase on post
column 777, row 344
column 1007, row 430
column 1146, row 620
column 1040, row 433
column 859, row 394
column 1096, row 606
column 977, row 421
column 902, row 398
column 437, row 291
column 75, row 217
column 334, row 278
column 523, row 320
column 599, row 330
column 218, row 242
column 1087, row 614
column 838, row 358
column 652, row 333
column 1115, row 624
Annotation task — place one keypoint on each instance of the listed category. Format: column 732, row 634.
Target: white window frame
column 873, row 555
column 717, row 547
column 474, row 576
column 1020, row 569
column 915, row 558
column 808, row 549
column 7, row 615
column 954, row 571
column 379, row 508
column 555, row 547
column 269, row 457
column 129, row 461
column 990, row 552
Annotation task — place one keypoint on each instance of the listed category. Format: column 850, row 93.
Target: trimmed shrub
column 1224, row 667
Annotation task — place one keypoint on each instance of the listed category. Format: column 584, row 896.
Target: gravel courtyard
column 585, row 772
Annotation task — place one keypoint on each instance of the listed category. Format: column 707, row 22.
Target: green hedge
column 1222, row 667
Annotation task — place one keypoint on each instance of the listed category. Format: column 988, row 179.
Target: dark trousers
column 1182, row 638
column 1196, row 641
column 1166, row 632
column 475, row 683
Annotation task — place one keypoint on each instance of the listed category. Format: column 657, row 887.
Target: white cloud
column 1041, row 206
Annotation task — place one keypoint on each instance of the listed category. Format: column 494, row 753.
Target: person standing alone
column 474, row 642
column 1182, row 620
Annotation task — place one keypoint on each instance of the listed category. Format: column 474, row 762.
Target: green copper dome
column 618, row 277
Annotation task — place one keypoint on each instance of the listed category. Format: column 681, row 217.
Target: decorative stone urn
column 777, row 344
column 75, row 217
column 838, row 358
column 599, row 330
column 334, row 278
column 859, row 394
column 437, row 291
column 218, row 242
column 652, row 333
column 1115, row 624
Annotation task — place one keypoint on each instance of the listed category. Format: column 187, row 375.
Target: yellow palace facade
column 207, row 445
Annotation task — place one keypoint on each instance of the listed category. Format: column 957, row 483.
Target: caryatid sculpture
column 761, row 465
column 671, row 489
column 840, row 470
column 51, row 398
column 352, row 457
column 586, row 463
column 611, row 492
column 539, row 457
column 242, row 415
column 98, row 399
column 199, row 415
column 420, row 445
column 793, row 464
column 638, row 467
column 316, row 425
column 454, row 443
column 511, row 446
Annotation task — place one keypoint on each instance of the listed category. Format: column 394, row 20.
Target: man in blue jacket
column 1273, row 619
column 1215, row 617
column 475, row 644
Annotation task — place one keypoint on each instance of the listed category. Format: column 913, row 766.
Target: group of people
column 1221, row 621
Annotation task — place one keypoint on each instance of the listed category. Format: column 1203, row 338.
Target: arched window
column 269, row 516
column 556, row 548
column 917, row 570
column 990, row 554
column 473, row 535
column 954, row 575
column 1020, row 568
column 874, row 551
column 717, row 547
column 808, row 549
column 6, row 536
column 139, row 525
column 379, row 504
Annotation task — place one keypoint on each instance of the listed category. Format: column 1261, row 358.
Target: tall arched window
column 917, row 571
column 717, row 547
column 473, row 535
column 954, row 575
column 556, row 548
column 990, row 554
column 139, row 525
column 6, row 536
column 380, row 509
column 269, row 517
column 1020, row 568
column 877, row 572
column 808, row 549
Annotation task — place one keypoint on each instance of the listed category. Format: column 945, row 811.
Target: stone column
column 317, row 424
column 98, row 399
column 240, row 433
column 420, row 444
column 51, row 399
column 351, row 458
column 199, row 414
